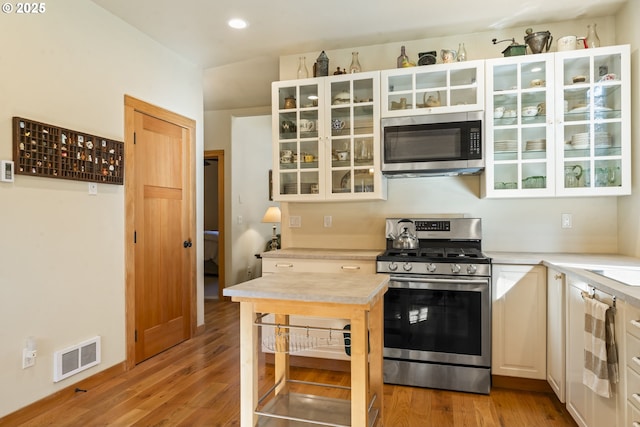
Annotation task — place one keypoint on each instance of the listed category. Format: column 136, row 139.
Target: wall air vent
column 76, row 359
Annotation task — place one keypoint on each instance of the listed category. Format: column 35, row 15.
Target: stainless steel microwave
column 433, row 144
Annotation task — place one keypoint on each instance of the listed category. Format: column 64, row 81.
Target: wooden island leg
column 248, row 365
column 376, row 342
column 359, row 369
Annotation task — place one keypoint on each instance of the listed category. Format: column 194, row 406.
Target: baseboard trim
column 524, row 384
column 45, row 404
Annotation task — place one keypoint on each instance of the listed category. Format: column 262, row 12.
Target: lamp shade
column 272, row 215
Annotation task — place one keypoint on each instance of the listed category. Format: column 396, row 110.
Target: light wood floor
column 197, row 384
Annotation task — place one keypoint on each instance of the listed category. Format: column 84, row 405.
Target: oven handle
column 426, row 280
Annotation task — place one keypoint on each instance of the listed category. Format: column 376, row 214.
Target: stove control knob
column 431, row 267
column 471, row 269
column 455, row 268
column 407, row 266
column 393, row 266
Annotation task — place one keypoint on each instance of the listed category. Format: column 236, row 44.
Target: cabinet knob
column 187, row 243
column 558, row 276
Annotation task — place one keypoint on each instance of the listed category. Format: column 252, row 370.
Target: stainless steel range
column 437, row 311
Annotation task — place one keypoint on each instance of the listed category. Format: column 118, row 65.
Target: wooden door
column 160, row 216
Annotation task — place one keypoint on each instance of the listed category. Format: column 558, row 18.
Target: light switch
column 93, row 188
column 567, row 220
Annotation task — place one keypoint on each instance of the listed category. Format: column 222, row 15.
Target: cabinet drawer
column 278, row 265
column 633, row 388
column 633, row 352
column 633, row 416
column 632, row 317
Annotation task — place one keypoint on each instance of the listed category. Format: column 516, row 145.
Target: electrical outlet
column 249, row 273
column 28, row 358
column 567, row 220
column 295, row 221
column 327, row 220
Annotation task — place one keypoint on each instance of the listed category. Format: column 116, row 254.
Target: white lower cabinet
column 556, row 321
column 334, row 349
column 519, row 320
column 587, row 408
column 632, row 368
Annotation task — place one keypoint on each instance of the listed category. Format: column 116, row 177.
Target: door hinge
column 135, row 336
column 135, row 237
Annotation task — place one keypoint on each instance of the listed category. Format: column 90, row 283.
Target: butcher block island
column 359, row 298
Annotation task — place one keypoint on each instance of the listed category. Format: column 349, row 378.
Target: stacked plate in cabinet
column 603, row 140
column 291, row 188
column 536, row 145
column 581, row 140
column 509, row 145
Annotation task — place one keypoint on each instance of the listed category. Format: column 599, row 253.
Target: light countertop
column 312, row 253
column 359, row 289
column 569, row 263
column 578, row 265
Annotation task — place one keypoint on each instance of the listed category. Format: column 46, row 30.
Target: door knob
column 187, row 243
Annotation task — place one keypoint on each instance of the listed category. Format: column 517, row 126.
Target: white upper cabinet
column 593, row 130
column 432, row 89
column 326, row 138
column 519, row 126
column 558, row 124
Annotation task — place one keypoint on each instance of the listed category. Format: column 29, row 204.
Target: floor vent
column 76, row 359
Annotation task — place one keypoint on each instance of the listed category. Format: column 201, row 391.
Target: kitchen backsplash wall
column 508, row 225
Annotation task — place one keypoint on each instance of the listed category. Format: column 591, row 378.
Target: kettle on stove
column 407, row 238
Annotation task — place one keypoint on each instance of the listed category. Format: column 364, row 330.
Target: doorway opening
column 214, row 237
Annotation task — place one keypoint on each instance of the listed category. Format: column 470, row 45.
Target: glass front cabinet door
column 326, row 138
column 519, row 127
column 353, row 137
column 593, row 132
column 297, row 152
column 439, row 88
column 557, row 124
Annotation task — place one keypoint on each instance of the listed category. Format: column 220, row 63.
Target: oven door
column 443, row 320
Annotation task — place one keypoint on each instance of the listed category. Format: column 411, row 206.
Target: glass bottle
column 403, row 58
column 355, row 64
column 462, row 53
column 303, row 72
column 592, row 37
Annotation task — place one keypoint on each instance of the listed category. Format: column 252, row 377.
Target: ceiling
column 237, row 61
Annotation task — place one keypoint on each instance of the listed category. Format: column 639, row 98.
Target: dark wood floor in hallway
column 197, row 384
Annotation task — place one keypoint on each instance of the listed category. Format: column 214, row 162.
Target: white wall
column 511, row 225
column 218, row 133
column 62, row 252
column 251, row 147
column 629, row 207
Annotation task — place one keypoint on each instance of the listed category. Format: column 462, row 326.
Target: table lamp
column 272, row 215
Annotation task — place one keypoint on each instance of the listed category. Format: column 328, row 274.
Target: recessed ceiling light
column 237, row 23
